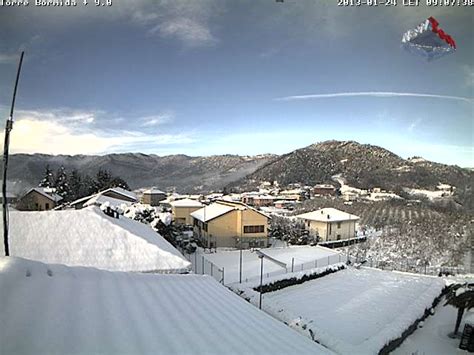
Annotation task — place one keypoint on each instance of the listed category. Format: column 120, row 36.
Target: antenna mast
column 8, row 128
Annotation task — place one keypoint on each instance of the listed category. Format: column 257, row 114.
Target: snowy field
column 354, row 311
column 305, row 257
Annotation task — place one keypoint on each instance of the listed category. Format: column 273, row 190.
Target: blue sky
column 202, row 77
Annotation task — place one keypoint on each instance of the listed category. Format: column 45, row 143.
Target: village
column 213, row 177
column 234, row 239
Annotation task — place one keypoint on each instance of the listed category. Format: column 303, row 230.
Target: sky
column 205, row 77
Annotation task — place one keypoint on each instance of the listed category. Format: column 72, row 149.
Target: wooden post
column 292, row 264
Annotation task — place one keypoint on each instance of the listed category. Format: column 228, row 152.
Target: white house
column 330, row 224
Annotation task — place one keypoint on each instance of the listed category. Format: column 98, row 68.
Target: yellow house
column 330, row 224
column 230, row 224
column 182, row 210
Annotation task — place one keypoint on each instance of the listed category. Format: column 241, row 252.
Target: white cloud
column 374, row 94
column 61, row 115
column 8, row 58
column 469, row 73
column 414, row 124
column 187, row 21
column 188, row 31
column 156, row 120
column 49, row 132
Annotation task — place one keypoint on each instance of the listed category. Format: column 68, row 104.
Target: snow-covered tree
column 48, row 178
column 61, row 183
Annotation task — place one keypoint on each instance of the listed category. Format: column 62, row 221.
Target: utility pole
column 8, row 128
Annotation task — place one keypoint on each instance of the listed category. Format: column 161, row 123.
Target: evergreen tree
column 62, row 184
column 119, row 182
column 76, row 188
column 48, row 179
column 89, row 186
column 103, row 180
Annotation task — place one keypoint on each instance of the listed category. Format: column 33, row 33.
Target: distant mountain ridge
column 180, row 172
column 361, row 165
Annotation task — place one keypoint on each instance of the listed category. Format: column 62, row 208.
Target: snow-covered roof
column 122, row 192
column 50, row 194
column 212, row 211
column 99, row 199
column 328, row 215
column 88, row 237
column 186, row 202
column 55, row 309
column 154, row 191
column 324, row 186
column 221, row 207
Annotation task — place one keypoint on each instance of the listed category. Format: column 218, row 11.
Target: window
column 338, row 225
column 330, row 228
column 47, row 206
column 338, row 237
column 205, row 227
column 254, row 229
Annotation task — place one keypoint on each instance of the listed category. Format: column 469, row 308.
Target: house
column 56, row 309
column 297, row 194
column 324, row 190
column 230, row 224
column 182, row 209
column 115, row 196
column 288, row 204
column 153, row 197
column 89, row 237
column 39, row 199
column 330, row 224
column 257, row 199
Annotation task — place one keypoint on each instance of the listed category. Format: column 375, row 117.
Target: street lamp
column 261, row 280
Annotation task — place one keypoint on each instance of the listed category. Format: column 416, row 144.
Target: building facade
column 182, row 209
column 230, row 224
column 38, row 199
column 330, row 224
column 153, row 197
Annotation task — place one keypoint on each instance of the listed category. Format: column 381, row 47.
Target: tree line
column 74, row 185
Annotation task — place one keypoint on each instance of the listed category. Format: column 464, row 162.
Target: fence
column 200, row 265
column 321, row 262
column 408, row 266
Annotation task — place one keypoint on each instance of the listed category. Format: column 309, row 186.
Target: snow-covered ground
column 432, row 338
column 354, row 311
column 432, row 195
column 305, row 257
column 55, row 309
column 88, row 237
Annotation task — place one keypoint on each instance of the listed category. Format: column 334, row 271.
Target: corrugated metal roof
column 54, row 309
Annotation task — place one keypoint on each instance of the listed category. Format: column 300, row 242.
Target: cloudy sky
column 203, row 77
